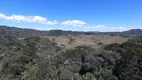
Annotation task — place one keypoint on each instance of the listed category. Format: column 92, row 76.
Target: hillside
column 19, row 32
column 133, row 32
column 38, row 58
column 27, row 54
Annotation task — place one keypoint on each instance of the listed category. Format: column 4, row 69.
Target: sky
column 75, row 15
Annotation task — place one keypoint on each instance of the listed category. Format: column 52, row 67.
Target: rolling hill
column 21, row 32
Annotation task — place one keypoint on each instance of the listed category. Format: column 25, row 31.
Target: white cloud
column 96, row 27
column 29, row 19
column 105, row 28
column 73, row 23
column 119, row 29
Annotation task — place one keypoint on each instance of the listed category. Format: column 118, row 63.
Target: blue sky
column 76, row 15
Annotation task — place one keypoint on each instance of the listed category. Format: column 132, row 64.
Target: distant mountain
column 21, row 32
column 132, row 32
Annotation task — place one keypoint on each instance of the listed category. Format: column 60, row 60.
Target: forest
column 38, row 58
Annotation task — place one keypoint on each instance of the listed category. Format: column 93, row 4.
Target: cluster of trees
column 38, row 58
column 129, row 67
column 16, row 56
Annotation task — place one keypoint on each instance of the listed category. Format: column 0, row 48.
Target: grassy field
column 94, row 41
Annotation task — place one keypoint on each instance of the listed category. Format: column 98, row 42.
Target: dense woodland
column 38, row 58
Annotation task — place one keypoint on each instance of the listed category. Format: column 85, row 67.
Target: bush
column 112, row 47
column 13, row 69
column 129, row 67
column 32, row 39
column 100, row 43
column 65, row 74
column 71, row 40
column 21, row 58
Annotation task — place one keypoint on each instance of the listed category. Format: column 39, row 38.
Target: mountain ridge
column 23, row 32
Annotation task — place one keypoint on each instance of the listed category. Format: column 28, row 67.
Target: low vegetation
column 38, row 58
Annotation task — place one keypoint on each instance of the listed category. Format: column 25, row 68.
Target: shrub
column 112, row 47
column 21, row 58
column 65, row 74
column 32, row 39
column 129, row 67
column 100, row 43
column 71, row 40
